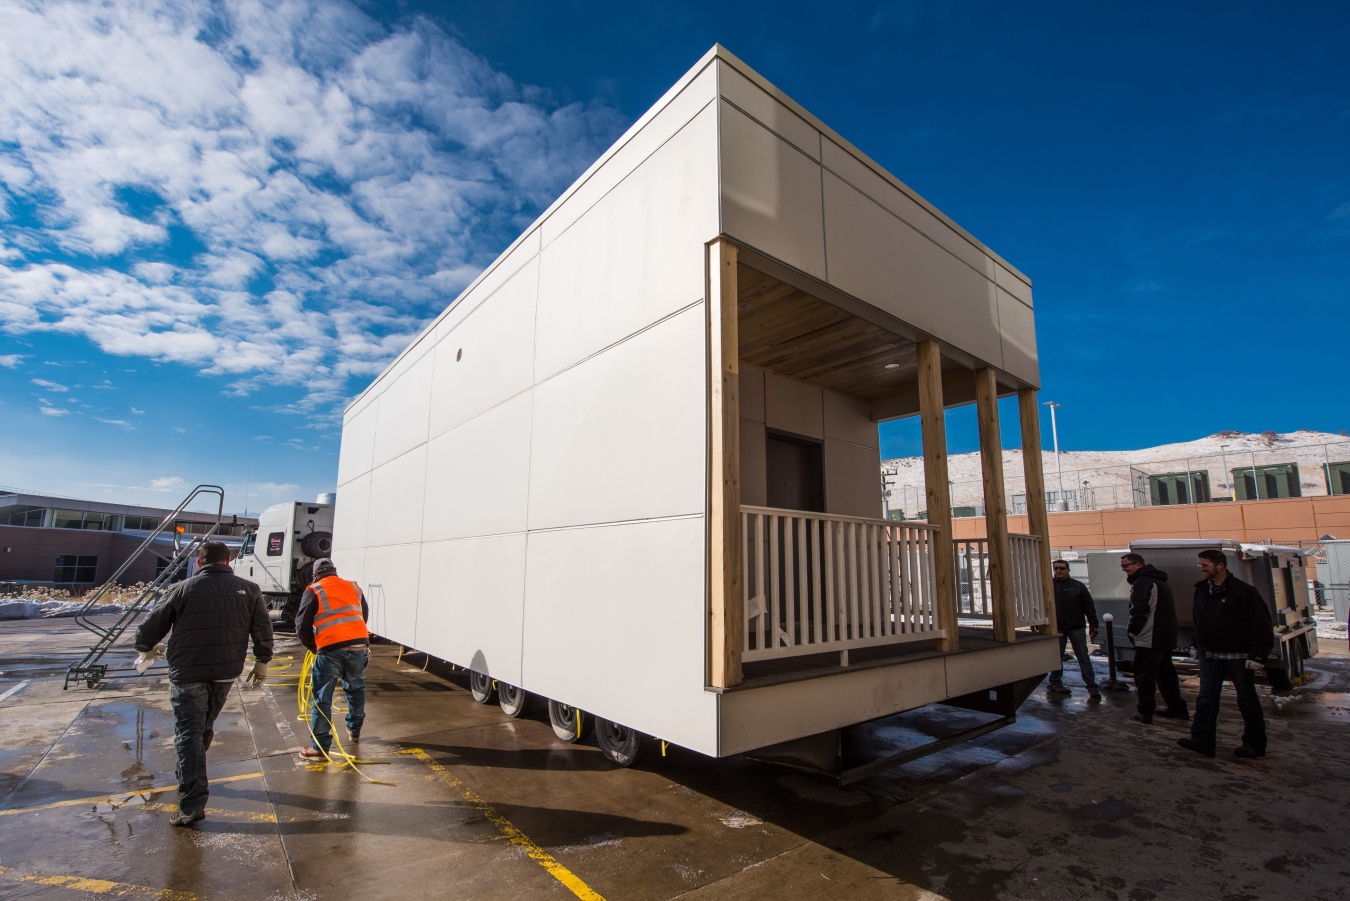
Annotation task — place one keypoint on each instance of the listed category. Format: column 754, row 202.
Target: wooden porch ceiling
column 793, row 333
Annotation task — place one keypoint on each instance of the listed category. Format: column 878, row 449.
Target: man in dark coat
column 213, row 615
column 1233, row 637
column 1075, row 617
column 1153, row 630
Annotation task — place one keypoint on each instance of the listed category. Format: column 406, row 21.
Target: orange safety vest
column 338, row 618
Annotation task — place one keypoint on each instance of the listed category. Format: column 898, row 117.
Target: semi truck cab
column 279, row 557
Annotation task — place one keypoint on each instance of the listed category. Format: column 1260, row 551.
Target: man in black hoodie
column 213, row 615
column 1233, row 637
column 1153, row 630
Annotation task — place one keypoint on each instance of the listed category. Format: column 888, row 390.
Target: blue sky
column 219, row 220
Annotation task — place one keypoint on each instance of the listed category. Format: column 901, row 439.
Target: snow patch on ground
column 1328, row 626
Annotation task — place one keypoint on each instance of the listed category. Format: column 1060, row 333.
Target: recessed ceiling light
column 892, row 365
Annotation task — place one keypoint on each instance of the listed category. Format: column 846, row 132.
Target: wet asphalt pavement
column 1075, row 800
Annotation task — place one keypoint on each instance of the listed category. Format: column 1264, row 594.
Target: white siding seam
column 769, row 128
column 906, row 222
column 646, row 328
column 824, row 232
column 479, row 415
column 674, row 517
column 631, row 172
column 478, row 306
column 717, row 85
column 476, row 537
column 529, row 453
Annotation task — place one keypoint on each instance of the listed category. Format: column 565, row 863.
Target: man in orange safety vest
column 331, row 622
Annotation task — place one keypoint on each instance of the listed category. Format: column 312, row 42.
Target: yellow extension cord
column 305, row 698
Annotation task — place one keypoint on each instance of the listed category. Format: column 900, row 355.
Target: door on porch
column 795, row 472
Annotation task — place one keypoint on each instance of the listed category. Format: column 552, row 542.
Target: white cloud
column 10, row 361
column 53, row 411
column 168, row 483
column 50, row 386
column 341, row 181
column 137, row 412
column 122, row 422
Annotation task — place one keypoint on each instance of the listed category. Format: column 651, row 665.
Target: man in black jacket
column 212, row 615
column 1075, row 616
column 1153, row 630
column 1233, row 637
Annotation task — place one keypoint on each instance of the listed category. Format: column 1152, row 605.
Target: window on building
column 1338, row 477
column 1190, row 487
column 69, row 519
column 72, row 568
column 93, row 521
column 1265, row 482
column 23, row 516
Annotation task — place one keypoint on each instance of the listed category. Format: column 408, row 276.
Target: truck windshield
column 247, row 549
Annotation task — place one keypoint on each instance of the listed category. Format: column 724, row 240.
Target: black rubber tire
column 620, row 744
column 571, row 724
column 1279, row 679
column 515, row 701
column 482, row 687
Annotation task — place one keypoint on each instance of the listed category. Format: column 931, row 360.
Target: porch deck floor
column 973, row 640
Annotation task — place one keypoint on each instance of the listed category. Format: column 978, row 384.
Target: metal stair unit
column 90, row 670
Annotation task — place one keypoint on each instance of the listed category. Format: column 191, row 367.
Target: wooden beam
column 1037, row 516
column 995, row 506
column 726, row 606
column 933, row 421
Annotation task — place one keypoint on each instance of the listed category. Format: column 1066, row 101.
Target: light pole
column 1227, row 476
column 1059, row 466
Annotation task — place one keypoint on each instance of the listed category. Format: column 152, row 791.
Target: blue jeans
column 1080, row 650
column 1204, row 728
column 195, row 708
column 329, row 667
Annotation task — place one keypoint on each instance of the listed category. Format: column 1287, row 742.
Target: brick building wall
column 29, row 554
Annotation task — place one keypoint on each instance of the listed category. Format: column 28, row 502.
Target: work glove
column 1255, row 664
column 145, row 659
column 257, row 676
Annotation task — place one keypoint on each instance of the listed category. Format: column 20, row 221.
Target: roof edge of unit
column 768, row 86
column 631, row 132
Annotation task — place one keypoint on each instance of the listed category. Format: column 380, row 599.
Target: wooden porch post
column 995, row 506
column 725, row 601
column 1037, row 517
column 933, row 419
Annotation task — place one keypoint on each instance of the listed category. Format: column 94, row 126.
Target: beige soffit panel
column 636, row 128
column 833, row 135
column 850, row 420
column 852, row 479
column 1018, row 325
column 793, row 406
column 883, row 261
column 1014, row 285
column 752, row 393
column 770, row 113
column 754, row 465
column 856, row 173
column 770, row 194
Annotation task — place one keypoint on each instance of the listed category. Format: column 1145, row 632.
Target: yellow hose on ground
column 305, row 698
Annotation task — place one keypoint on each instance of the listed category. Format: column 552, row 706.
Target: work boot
column 1174, row 715
column 1093, row 693
column 1057, row 688
column 1248, row 753
column 1191, row 744
column 1146, row 720
column 182, row 818
column 354, row 736
column 312, row 754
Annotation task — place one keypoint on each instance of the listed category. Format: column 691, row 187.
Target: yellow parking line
column 97, row 886
column 512, row 834
column 108, row 799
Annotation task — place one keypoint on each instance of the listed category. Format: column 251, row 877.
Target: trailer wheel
column 481, row 687
column 620, row 744
column 515, row 701
column 569, row 723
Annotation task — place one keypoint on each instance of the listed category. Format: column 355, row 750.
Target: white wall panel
column 358, row 445
column 505, row 269
column 682, row 108
column 793, row 406
column 403, row 408
column 477, row 475
column 754, row 465
column 622, row 436
column 635, row 257
column 469, row 603
column 759, row 104
column 881, row 260
column 861, row 176
column 771, row 194
column 622, row 605
column 351, row 564
column 852, row 479
column 850, row 420
column 497, row 359
column 751, row 384
column 390, row 584
column 396, row 491
column 1019, row 338
column 352, row 515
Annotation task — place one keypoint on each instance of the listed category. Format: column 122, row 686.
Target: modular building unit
column 634, row 468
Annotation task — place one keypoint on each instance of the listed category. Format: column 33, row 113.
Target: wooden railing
column 976, row 596
column 816, row 583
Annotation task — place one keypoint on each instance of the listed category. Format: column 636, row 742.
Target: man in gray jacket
column 212, row 615
column 1153, row 630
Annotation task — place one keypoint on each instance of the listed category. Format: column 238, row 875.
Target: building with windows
column 77, row 544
